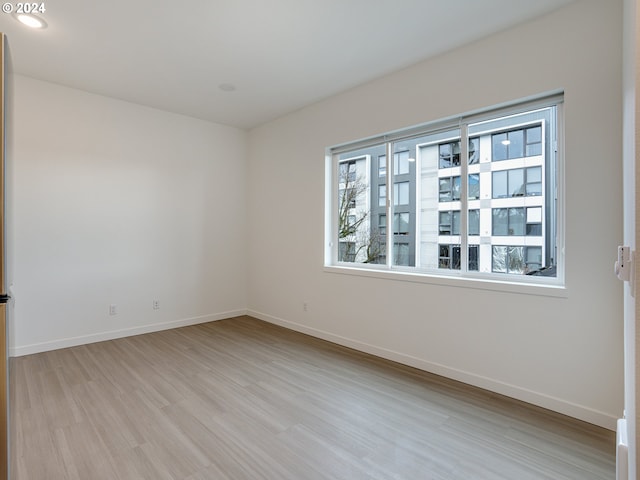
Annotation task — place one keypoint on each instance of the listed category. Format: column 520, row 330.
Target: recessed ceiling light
column 30, row 20
column 506, row 142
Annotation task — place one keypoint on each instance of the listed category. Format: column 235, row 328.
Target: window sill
column 456, row 281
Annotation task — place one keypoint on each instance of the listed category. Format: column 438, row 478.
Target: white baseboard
column 559, row 405
column 125, row 332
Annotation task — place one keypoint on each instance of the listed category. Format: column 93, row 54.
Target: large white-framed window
column 478, row 197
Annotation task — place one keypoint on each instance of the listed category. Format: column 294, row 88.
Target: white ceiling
column 279, row 54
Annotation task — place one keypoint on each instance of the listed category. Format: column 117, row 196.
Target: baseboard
column 125, row 332
column 559, row 405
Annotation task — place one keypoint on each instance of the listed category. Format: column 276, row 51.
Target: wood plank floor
column 243, row 399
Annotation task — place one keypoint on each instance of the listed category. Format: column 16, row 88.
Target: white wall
column 562, row 353
column 115, row 203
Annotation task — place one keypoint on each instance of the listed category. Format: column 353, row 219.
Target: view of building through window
column 413, row 209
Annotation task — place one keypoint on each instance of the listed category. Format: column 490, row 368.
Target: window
column 450, row 257
column 518, row 182
column 503, row 222
column 449, row 153
column 519, row 260
column 401, row 193
column 449, row 189
column 401, row 224
column 508, row 221
column 382, row 195
column 474, row 222
column 524, row 142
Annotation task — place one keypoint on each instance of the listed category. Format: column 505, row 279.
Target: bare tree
column 360, row 239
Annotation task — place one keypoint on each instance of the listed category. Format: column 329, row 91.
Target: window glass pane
column 534, row 135
column 455, row 257
column 401, row 254
column 499, row 259
column 456, row 188
column 401, row 193
column 456, row 223
column 401, row 223
column 445, row 189
column 516, row 221
column 499, row 184
column 516, row 182
column 534, row 149
column 382, row 166
column 473, row 258
column 534, row 181
column 474, row 222
column 534, row 189
column 474, row 186
column 534, row 229
column 500, row 221
column 382, row 224
column 516, row 143
column 499, row 144
column 445, row 152
column 474, row 150
column 515, row 260
column 401, row 163
column 445, row 223
column 444, row 258
column 347, row 251
column 534, row 174
column 382, row 195
column 534, row 258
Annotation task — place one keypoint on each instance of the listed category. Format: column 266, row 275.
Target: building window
column 508, row 221
column 524, row 142
column 401, row 163
column 401, row 254
column 449, row 153
column 401, row 193
column 518, row 182
column 474, row 222
column 516, row 259
column 474, row 186
column 347, row 251
column 449, row 223
column 382, row 166
column 449, row 189
column 401, row 224
column 534, row 221
column 510, row 203
column 449, row 257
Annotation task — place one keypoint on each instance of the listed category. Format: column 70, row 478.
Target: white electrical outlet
column 156, row 304
column 113, row 309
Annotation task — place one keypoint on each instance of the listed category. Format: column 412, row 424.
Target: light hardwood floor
column 243, row 399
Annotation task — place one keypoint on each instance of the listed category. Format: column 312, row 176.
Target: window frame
column 552, row 286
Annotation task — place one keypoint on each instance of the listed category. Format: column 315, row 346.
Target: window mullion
column 389, row 206
column 464, row 197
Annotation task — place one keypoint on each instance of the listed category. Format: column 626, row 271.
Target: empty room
column 240, row 241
